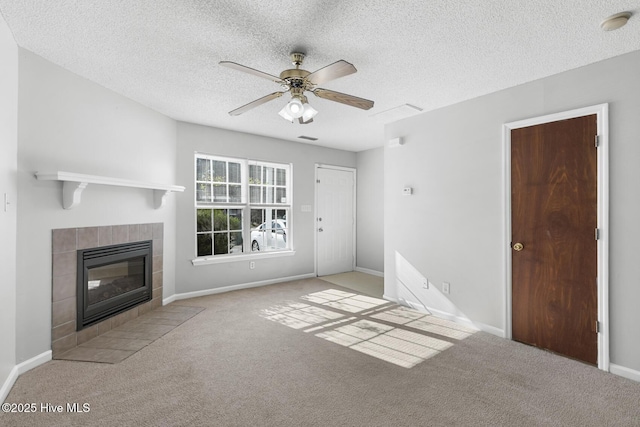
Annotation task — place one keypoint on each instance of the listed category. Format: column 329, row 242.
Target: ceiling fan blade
column 250, row 70
column 331, row 72
column 255, row 103
column 343, row 98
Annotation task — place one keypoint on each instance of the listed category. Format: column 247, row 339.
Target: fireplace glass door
column 112, row 279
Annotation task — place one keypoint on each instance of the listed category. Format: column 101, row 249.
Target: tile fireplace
column 67, row 331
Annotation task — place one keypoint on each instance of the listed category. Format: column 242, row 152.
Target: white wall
column 71, row 124
column 194, row 138
column 451, row 229
column 8, row 186
column 370, row 206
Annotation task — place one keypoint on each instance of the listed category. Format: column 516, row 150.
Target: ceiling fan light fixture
column 308, row 112
column 285, row 114
column 295, row 108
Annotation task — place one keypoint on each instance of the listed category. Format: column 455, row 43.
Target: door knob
column 518, row 247
column 320, row 229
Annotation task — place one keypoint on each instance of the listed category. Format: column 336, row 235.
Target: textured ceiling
column 164, row 53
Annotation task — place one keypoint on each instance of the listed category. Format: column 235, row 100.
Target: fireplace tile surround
column 65, row 243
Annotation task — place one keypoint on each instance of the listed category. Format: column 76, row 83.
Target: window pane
column 254, row 194
column 204, row 220
column 267, row 175
column 235, row 242
column 220, row 219
column 203, row 192
column 235, row 219
column 254, row 174
column 281, row 177
column 234, row 172
column 203, row 172
column 204, row 244
column 281, row 195
column 273, row 234
column 257, row 217
column 219, row 171
column 220, row 243
column 220, row 193
column 267, row 194
column 235, row 193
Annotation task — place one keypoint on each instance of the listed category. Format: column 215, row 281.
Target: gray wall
column 194, row 138
column 451, row 229
column 70, row 124
column 8, row 186
column 370, row 209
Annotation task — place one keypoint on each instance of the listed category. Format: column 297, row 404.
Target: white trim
column 221, row 259
column 624, row 372
column 20, row 369
column 355, row 216
column 8, row 384
column 169, row 300
column 369, row 271
column 195, row 294
column 602, row 113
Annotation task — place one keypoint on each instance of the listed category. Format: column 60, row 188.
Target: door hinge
column 597, row 327
column 597, row 234
column 597, row 142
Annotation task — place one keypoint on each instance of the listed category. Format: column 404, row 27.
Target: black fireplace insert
column 112, row 279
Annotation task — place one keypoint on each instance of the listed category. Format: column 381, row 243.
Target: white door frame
column 315, row 212
column 602, row 113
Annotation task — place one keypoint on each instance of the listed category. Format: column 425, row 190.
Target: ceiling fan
column 298, row 81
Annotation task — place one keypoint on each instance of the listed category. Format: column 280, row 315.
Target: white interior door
column 335, row 221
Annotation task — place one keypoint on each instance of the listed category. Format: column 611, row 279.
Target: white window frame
column 245, row 206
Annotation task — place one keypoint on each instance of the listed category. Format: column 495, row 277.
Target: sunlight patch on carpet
column 345, row 301
column 400, row 340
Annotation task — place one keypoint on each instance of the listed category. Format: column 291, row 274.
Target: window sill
column 238, row 258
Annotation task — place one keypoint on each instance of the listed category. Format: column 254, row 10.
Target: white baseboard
column 169, row 300
column 20, row 369
column 371, row 272
column 624, row 372
column 213, row 291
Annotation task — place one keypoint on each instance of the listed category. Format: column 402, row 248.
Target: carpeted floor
column 231, row 366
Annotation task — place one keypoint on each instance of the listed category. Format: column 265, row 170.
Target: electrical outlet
column 425, row 283
column 446, row 287
column 252, row 265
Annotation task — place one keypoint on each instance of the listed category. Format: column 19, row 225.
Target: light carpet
column 230, row 366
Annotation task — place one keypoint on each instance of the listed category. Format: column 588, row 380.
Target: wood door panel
column 554, row 215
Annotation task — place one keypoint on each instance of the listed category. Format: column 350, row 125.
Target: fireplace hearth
column 112, row 279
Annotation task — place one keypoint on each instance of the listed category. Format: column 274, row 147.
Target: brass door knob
column 518, row 247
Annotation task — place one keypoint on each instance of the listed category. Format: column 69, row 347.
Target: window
column 241, row 206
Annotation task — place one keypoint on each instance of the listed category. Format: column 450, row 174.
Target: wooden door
column 554, row 248
column 336, row 222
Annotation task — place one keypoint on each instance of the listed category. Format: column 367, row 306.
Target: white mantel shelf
column 74, row 183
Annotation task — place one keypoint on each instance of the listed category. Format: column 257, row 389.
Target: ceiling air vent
column 308, row 138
